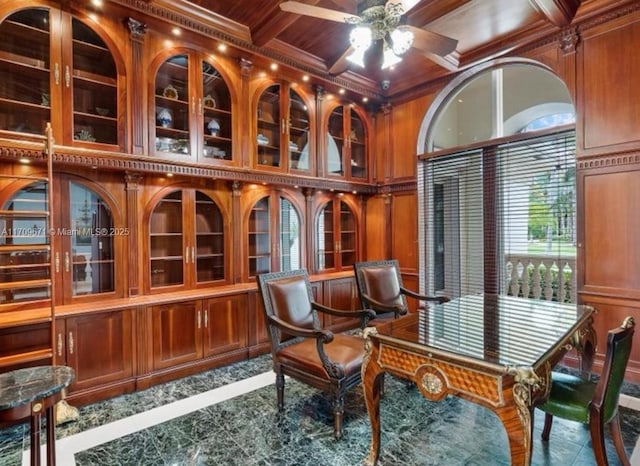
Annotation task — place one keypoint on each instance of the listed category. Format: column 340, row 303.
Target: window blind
column 500, row 218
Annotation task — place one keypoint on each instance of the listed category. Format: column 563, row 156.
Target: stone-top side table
column 26, row 393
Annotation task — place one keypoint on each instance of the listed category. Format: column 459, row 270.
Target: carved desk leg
column 372, row 376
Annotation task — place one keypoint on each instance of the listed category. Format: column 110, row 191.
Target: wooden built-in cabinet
column 189, row 331
column 284, row 137
column 56, row 68
column 345, row 143
column 186, row 241
column 192, row 110
column 98, row 346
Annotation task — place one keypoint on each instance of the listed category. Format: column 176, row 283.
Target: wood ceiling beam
column 425, row 12
column 341, row 64
column 557, row 12
column 274, row 22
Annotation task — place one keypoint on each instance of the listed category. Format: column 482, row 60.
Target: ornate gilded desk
column 496, row 351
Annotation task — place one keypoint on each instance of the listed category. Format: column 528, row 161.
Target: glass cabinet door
column 216, row 111
column 336, row 236
column 347, row 246
column 299, row 128
column 209, row 249
column 166, row 242
column 172, row 107
column 25, row 65
column 24, row 246
column 346, row 144
column 290, row 248
column 260, row 238
column 91, row 256
column 357, row 146
column 95, row 88
column 335, row 143
column 325, row 239
column 269, row 128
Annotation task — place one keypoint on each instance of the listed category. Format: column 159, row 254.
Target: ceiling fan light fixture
column 401, row 40
column 361, row 37
column 357, row 57
column 389, row 58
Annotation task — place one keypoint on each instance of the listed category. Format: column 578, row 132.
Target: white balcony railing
column 541, row 277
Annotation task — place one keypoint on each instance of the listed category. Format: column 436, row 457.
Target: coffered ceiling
column 483, row 28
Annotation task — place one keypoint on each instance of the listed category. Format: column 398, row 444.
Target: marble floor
column 228, row 416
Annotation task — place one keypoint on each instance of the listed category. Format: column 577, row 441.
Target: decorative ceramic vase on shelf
column 262, row 139
column 214, row 127
column 165, row 118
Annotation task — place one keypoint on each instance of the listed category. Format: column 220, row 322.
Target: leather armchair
column 301, row 348
column 591, row 403
column 381, row 290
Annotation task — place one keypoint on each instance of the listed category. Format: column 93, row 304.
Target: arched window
column 497, row 191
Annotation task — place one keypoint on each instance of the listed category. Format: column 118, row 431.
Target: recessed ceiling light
column 305, row 77
column 222, row 47
column 169, row 175
column 365, row 99
column 97, row 3
column 341, row 91
column 25, row 161
column 176, row 31
column 274, row 66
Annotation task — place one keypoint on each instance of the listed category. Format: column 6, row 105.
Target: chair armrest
column 325, row 336
column 420, row 297
column 357, row 313
column 397, row 309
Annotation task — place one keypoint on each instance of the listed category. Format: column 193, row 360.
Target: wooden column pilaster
column 137, row 86
column 134, row 271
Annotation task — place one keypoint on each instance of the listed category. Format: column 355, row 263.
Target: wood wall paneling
column 404, row 224
column 611, row 251
column 608, row 94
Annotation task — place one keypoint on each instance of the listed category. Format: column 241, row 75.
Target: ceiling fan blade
column 433, row 42
column 318, row 12
column 406, row 4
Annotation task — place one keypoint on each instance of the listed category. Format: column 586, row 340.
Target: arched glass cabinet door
column 336, row 236
column 260, row 238
column 269, row 119
column 290, row 247
column 166, row 242
column 209, row 249
column 91, row 250
column 216, row 113
column 346, row 140
column 25, row 246
column 39, row 76
column 173, row 137
column 274, row 236
column 25, row 67
column 95, row 87
column 299, row 127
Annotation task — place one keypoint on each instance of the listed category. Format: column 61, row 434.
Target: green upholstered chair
column 301, row 348
column 595, row 404
column 381, row 290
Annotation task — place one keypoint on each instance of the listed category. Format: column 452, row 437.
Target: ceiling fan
column 381, row 20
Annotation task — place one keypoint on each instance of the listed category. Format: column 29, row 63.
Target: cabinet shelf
column 26, row 284
column 24, row 214
column 163, row 235
column 21, row 64
column 208, row 137
column 93, row 116
column 166, row 258
column 97, row 81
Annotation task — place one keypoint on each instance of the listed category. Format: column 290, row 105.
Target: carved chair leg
column 338, row 414
column 546, row 430
column 617, row 440
column 596, row 429
column 280, row 391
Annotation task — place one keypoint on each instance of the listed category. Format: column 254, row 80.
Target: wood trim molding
column 609, row 160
